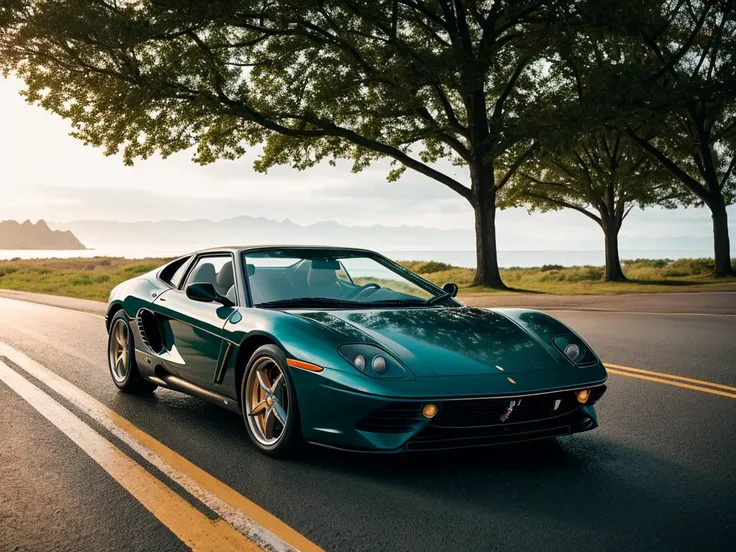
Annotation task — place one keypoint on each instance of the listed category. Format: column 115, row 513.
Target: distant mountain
column 196, row 234
column 35, row 236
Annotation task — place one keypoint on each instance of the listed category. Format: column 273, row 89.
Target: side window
column 174, row 272
column 179, row 274
column 216, row 270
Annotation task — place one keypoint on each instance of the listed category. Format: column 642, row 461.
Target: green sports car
column 345, row 348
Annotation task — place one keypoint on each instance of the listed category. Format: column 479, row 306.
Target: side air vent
column 149, row 330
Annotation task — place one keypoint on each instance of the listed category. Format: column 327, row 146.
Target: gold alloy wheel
column 267, row 401
column 118, row 351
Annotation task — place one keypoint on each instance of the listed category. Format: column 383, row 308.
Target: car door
column 196, row 327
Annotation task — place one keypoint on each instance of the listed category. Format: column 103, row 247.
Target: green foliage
column 685, row 106
column 415, row 81
column 426, row 267
column 581, row 97
column 310, row 79
column 647, row 263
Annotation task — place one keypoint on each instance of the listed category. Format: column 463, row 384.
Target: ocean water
column 521, row 258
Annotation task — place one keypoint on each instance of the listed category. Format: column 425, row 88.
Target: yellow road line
column 190, row 525
column 238, row 511
column 672, row 382
column 671, row 376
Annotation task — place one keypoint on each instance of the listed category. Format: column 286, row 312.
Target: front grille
column 437, row 438
column 491, row 412
column 394, row 418
column 492, row 417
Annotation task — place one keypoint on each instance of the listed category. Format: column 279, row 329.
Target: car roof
column 246, row 248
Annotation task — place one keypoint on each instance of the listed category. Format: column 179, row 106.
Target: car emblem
column 557, row 404
column 509, row 409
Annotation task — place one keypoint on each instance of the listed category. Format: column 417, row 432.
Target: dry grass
column 94, row 278
column 644, row 276
column 82, row 278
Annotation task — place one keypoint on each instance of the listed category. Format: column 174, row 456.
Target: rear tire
column 269, row 404
column 121, row 358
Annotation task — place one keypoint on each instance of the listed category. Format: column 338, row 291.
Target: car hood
column 445, row 341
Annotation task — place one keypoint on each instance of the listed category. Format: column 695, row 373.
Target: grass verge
column 94, row 278
column 81, row 278
column 644, row 276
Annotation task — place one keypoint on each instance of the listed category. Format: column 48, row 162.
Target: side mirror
column 450, row 288
column 206, row 293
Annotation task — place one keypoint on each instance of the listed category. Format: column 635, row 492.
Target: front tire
column 269, row 404
column 121, row 358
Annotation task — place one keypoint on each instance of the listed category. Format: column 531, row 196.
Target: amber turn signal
column 429, row 410
column 583, row 396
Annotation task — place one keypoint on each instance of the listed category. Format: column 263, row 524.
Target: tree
column 416, row 81
column 602, row 175
column 689, row 100
column 586, row 162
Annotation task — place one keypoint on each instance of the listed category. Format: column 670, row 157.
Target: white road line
column 91, row 407
column 190, row 525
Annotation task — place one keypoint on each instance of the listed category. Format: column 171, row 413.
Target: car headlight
column 575, row 350
column 372, row 361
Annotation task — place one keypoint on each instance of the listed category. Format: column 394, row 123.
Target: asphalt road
column 659, row 474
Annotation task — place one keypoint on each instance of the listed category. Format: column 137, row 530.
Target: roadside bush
column 689, row 267
column 553, row 276
column 426, row 267
column 673, row 272
column 86, row 280
column 7, row 270
column 586, row 274
column 646, row 263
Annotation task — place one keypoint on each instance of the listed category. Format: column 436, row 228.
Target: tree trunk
column 484, row 204
column 721, row 243
column 613, row 261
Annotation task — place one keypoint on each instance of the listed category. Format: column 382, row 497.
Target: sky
column 48, row 174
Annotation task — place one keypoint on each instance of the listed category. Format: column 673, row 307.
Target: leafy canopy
column 413, row 80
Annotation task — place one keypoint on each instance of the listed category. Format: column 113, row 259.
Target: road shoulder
column 82, row 305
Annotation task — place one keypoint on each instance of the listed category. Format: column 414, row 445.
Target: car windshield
column 325, row 277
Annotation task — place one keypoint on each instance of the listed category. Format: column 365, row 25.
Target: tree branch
column 449, row 111
column 566, row 205
column 498, row 109
column 324, row 129
column 693, row 185
column 516, row 164
column 722, row 184
column 669, row 65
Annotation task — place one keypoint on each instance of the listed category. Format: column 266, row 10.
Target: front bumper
column 347, row 419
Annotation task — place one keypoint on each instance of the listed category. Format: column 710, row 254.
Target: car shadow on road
column 595, row 484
